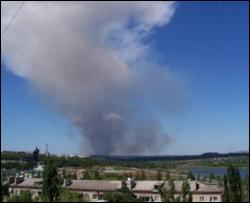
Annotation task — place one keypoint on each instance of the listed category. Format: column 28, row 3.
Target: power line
column 203, row 64
column 12, row 19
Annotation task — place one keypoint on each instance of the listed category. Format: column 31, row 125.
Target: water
column 215, row 170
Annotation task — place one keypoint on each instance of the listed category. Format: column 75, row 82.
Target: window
column 100, row 197
column 213, row 199
column 85, row 196
column 202, row 199
column 95, row 196
column 156, row 198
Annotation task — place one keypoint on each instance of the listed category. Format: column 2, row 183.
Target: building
column 34, row 185
column 148, row 191
column 201, row 191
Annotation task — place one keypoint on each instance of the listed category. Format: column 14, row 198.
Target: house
column 34, row 185
column 201, row 191
column 148, row 191
column 93, row 189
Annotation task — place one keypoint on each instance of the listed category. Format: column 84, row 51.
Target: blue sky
column 216, row 120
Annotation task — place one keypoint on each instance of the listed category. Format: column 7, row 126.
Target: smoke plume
column 94, row 61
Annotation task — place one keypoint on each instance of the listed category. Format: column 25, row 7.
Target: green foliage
column 50, row 181
column 4, row 191
column 167, row 175
column 185, row 192
column 96, row 175
column 86, row 175
column 190, row 175
column 168, row 195
column 69, row 196
column 245, row 189
column 143, row 175
column 234, row 182
column 35, row 155
column 178, row 199
column 226, row 197
column 158, row 177
column 25, row 196
column 211, row 176
column 122, row 195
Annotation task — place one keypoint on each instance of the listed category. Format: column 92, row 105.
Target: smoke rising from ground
column 94, row 61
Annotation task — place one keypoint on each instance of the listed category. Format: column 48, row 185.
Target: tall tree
column 226, row 197
column 86, row 175
column 35, row 156
column 168, row 195
column 185, row 192
column 25, row 196
column 245, row 189
column 143, row 175
column 97, row 175
column 167, row 175
column 159, row 177
column 211, row 176
column 4, row 191
column 171, row 190
column 69, row 196
column 50, row 182
column 190, row 175
column 234, row 181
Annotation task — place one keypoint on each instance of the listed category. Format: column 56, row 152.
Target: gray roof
column 29, row 182
column 147, row 185
column 95, row 185
column 203, row 187
column 142, row 186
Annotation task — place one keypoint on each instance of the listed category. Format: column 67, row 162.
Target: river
column 218, row 171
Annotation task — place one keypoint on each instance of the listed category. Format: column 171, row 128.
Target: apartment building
column 148, row 191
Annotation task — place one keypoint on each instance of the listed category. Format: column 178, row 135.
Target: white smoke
column 92, row 59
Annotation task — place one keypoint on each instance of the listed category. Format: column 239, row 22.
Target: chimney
column 130, row 183
column 196, row 186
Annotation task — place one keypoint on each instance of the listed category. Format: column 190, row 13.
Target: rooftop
column 94, row 185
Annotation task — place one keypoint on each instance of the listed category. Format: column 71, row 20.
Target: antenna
column 46, row 149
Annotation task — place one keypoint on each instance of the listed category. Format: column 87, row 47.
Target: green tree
column 35, row 156
column 167, row 175
column 178, row 199
column 168, row 195
column 234, row 181
column 211, row 176
column 4, row 191
column 122, row 195
column 171, row 190
column 50, row 182
column 226, row 197
column 245, row 189
column 69, row 196
column 137, row 175
column 97, row 175
column 185, row 192
column 25, row 196
column 143, row 175
column 159, row 177
column 73, row 176
column 86, row 175
column 190, row 175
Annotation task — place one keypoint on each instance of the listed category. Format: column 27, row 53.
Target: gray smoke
column 94, row 62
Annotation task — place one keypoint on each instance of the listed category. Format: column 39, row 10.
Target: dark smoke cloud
column 91, row 60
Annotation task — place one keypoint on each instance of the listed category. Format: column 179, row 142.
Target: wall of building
column 206, row 197
column 34, row 192
column 150, row 196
